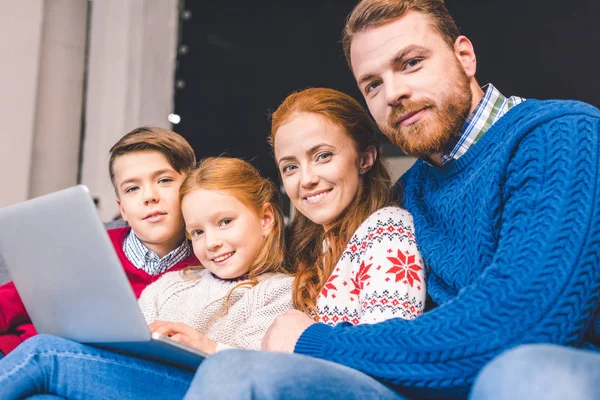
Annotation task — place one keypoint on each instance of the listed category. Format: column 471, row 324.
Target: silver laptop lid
column 66, row 270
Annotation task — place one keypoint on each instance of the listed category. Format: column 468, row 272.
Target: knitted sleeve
column 543, row 284
column 271, row 298
column 390, row 280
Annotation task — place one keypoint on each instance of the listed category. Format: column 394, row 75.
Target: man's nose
column 396, row 90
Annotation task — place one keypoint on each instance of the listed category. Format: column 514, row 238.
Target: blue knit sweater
column 511, row 234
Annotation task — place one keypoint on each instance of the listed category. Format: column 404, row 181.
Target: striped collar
column 145, row 259
column 490, row 109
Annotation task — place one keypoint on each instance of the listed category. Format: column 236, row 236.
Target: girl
column 354, row 251
column 236, row 229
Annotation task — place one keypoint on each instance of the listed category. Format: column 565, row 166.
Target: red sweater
column 15, row 325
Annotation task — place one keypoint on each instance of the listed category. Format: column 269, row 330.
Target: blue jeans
column 51, row 365
column 246, row 374
column 540, row 371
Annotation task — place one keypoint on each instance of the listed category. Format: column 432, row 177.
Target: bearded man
column 506, row 204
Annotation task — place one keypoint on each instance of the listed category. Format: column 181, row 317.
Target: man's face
column 413, row 83
column 148, row 189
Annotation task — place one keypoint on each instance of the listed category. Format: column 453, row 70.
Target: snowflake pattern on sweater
column 380, row 274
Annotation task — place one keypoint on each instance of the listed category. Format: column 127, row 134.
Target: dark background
column 241, row 58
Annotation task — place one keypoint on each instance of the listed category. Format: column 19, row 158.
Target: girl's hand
column 185, row 334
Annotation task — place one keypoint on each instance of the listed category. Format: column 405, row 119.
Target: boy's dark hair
column 173, row 146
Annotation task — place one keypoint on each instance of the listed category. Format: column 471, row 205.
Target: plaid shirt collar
column 490, row 109
column 143, row 258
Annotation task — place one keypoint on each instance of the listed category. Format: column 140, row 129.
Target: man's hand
column 285, row 331
column 185, row 334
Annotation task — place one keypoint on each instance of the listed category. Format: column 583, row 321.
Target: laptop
column 71, row 281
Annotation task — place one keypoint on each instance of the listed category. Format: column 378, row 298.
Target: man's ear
column 465, row 53
column 267, row 218
column 121, row 210
column 367, row 159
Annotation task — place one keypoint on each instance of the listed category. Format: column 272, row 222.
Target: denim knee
column 41, row 343
column 535, row 371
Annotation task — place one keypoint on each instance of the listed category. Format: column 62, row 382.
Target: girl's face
column 226, row 235
column 319, row 166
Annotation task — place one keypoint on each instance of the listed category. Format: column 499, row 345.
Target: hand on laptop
column 185, row 334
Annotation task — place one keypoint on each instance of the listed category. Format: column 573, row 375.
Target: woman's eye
column 324, row 156
column 165, row 180
column 288, row 169
column 225, row 222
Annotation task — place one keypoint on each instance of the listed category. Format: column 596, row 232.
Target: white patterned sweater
column 200, row 303
column 380, row 274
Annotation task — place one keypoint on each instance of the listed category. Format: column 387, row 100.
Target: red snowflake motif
column 353, row 248
column 401, row 230
column 363, row 245
column 355, row 321
column 329, row 286
column 379, row 231
column 361, row 277
column 405, row 268
column 390, row 229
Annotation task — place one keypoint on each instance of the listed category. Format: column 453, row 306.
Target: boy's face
column 148, row 189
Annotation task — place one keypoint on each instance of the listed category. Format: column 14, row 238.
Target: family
column 476, row 275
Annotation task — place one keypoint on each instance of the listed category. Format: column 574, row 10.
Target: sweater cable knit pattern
column 511, row 233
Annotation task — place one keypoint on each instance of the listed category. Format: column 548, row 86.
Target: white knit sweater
column 200, row 303
column 380, row 274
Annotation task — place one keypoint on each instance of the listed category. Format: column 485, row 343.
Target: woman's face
column 319, row 166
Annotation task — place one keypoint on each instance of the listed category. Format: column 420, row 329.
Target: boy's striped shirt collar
column 490, row 109
column 145, row 259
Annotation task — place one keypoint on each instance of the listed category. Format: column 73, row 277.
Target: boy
column 146, row 167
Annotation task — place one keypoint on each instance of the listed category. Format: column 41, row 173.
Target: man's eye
column 131, row 189
column 225, row 221
column 372, row 86
column 413, row 63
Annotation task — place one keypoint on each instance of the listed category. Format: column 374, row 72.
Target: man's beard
column 438, row 133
